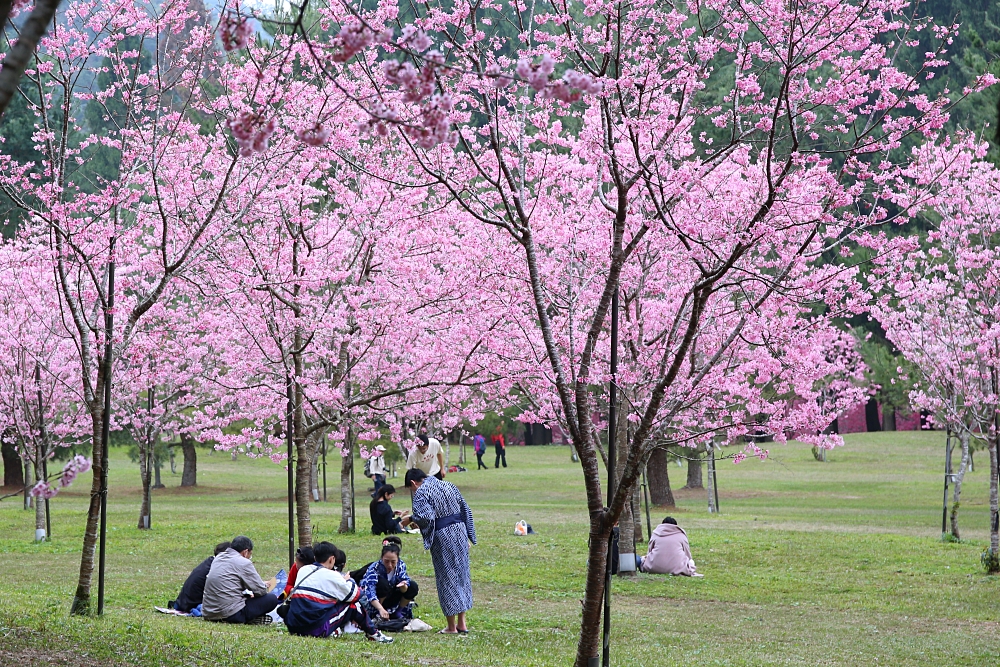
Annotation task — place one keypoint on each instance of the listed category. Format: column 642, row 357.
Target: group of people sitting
column 320, row 600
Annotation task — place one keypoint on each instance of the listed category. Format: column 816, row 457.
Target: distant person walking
column 445, row 521
column 500, row 446
column 479, row 444
column 376, row 467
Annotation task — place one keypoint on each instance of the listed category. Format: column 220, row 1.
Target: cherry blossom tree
column 938, row 303
column 597, row 115
column 149, row 216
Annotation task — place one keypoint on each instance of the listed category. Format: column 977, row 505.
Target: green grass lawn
column 837, row 563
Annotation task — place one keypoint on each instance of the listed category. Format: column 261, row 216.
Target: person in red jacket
column 500, row 446
column 303, row 556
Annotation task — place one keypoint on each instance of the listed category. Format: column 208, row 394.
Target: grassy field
column 837, row 563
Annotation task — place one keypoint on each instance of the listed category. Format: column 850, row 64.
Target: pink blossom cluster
column 573, row 86
column 435, row 127
column 234, row 31
column 251, row 131
column 354, row 38
column 417, row 85
column 18, row 6
column 316, row 135
column 536, row 74
column 73, row 467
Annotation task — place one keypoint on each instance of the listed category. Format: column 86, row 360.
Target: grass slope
column 808, row 564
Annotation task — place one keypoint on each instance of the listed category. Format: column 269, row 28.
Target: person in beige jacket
column 669, row 552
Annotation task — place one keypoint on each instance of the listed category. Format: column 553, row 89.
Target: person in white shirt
column 427, row 457
column 323, row 601
column 376, row 468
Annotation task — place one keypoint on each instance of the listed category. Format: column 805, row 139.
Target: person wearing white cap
column 376, row 467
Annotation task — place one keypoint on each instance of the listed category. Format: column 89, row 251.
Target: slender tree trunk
column 189, row 477
column 29, row 481
column 710, row 485
column 39, row 502
column 315, row 475
column 994, row 512
column 871, row 416
column 637, row 515
column 694, row 470
column 346, row 492
column 626, row 522
column 157, row 465
column 146, row 476
column 593, row 597
column 963, row 438
column 658, row 476
column 81, row 599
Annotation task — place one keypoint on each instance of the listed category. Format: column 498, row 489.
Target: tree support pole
column 645, row 493
column 109, row 320
column 612, row 441
column 291, row 481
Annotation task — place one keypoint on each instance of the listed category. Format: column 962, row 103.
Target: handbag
column 282, row 609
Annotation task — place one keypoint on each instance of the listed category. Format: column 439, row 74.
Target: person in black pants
column 479, row 444
column 500, row 446
column 194, row 587
column 384, row 520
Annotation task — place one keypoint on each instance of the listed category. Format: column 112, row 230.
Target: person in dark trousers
column 193, row 589
column 500, row 446
column 387, row 587
column 384, row 520
column 479, row 444
column 232, row 572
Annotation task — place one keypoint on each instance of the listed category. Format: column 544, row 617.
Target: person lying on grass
column 669, row 552
column 193, row 590
column 231, row 573
column 387, row 588
column 323, row 602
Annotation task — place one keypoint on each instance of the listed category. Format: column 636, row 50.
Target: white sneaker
column 380, row 638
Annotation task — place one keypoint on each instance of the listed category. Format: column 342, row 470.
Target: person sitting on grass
column 193, row 590
column 232, row 572
column 323, row 601
column 303, row 556
column 387, row 587
column 384, row 520
column 359, row 574
column 669, row 552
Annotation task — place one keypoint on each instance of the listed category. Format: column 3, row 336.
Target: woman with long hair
column 384, row 520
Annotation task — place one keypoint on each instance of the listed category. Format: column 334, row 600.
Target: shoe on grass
column 261, row 620
column 380, row 638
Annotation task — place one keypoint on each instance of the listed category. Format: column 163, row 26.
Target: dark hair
column 414, row 475
column 305, row 555
column 390, row 548
column 339, row 560
column 392, row 539
column 323, row 551
column 383, row 491
column 221, row 546
column 671, row 520
column 424, row 439
column 241, row 543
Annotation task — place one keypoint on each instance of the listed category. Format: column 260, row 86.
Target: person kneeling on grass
column 384, row 520
column 232, row 572
column 387, row 587
column 323, row 601
column 669, row 552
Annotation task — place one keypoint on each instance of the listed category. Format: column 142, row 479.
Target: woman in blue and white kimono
column 445, row 521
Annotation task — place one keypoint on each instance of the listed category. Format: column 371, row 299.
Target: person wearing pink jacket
column 669, row 552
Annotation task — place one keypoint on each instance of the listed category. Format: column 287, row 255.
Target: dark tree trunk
column 13, row 471
column 871, row 416
column 660, row 493
column 81, row 599
column 190, row 475
column 888, row 418
column 694, row 470
column 158, row 483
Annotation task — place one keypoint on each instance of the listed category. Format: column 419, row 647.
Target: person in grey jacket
column 233, row 572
